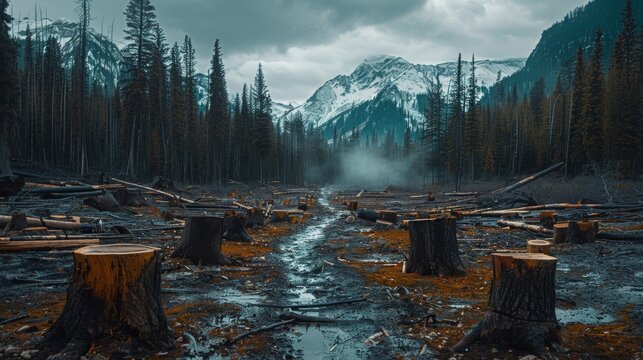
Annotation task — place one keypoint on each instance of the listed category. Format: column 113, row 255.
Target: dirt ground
column 325, row 259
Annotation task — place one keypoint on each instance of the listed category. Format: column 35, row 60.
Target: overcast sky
column 303, row 43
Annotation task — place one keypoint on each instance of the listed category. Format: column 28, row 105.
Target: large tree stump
column 114, row 288
column 434, row 247
column 388, row 215
column 560, row 233
column 580, row 232
column 201, row 241
column 234, row 229
column 522, row 304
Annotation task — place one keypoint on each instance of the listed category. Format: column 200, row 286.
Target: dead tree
column 201, row 241
column 522, row 304
column 434, row 247
column 114, row 288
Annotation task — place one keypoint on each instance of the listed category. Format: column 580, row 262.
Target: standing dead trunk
column 5, row 163
column 114, row 288
column 522, row 304
column 201, row 241
column 434, row 247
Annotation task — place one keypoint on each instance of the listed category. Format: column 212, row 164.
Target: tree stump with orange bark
column 234, row 230
column 539, row 247
column 201, row 242
column 434, row 247
column 522, row 304
column 114, row 288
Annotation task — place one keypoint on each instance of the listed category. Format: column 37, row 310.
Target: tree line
column 593, row 116
column 150, row 124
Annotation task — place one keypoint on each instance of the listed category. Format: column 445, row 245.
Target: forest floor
column 325, row 259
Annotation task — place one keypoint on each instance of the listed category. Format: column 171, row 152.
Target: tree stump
column 434, row 247
column 560, row 233
column 522, row 304
column 366, row 214
column 127, row 197
column 548, row 218
column 234, row 229
column 539, row 247
column 388, row 215
column 105, row 202
column 255, row 217
column 580, row 232
column 114, row 288
column 352, row 206
column 201, row 241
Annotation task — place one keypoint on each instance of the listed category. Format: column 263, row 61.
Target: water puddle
column 585, row 315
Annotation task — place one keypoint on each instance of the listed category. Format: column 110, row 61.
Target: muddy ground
column 325, row 259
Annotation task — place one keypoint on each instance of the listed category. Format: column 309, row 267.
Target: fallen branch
column 523, row 226
column 620, row 235
column 51, row 224
column 256, row 331
column 307, row 306
column 301, row 318
column 529, row 179
column 14, row 318
column 11, row 246
column 147, row 188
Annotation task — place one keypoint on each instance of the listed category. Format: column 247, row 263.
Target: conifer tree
column 471, row 128
column 218, row 116
column 8, row 85
column 575, row 154
column 158, row 96
column 263, row 133
column 593, row 103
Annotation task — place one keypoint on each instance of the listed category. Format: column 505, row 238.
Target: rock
column 28, row 354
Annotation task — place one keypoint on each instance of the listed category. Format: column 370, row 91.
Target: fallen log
column 308, row 306
column 461, row 194
column 72, row 189
column 29, row 245
column 529, row 179
column 51, row 224
column 522, row 226
column 163, row 193
column 256, row 331
column 620, row 235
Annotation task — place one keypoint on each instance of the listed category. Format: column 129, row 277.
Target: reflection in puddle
column 586, row 315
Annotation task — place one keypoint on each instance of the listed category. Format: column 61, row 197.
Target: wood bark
column 32, row 245
column 201, row 241
column 234, row 229
column 560, row 233
column 529, row 179
column 388, row 215
column 434, row 247
column 522, row 304
column 105, row 202
column 580, row 232
column 126, row 197
column 113, row 288
column 523, row 226
column 366, row 214
column 539, row 247
column 547, row 218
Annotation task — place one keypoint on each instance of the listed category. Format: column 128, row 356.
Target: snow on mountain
column 391, row 87
column 103, row 55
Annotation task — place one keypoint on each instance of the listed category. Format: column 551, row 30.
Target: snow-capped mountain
column 103, row 55
column 384, row 93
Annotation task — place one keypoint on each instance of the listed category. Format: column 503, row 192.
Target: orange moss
column 245, row 250
column 621, row 340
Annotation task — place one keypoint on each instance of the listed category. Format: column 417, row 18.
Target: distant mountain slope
column 385, row 93
column 556, row 50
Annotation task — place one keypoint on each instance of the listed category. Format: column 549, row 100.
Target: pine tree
column 593, row 103
column 263, row 134
column 176, row 128
column 138, row 57
column 218, row 116
column 8, row 85
column 190, row 114
column 575, row 154
column 456, row 125
column 158, row 97
column 79, row 85
column 471, row 128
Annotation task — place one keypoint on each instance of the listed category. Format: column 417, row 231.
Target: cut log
column 366, row 214
column 560, row 233
column 52, row 224
column 388, row 215
column 580, row 232
column 529, row 179
column 11, row 184
column 523, row 226
column 621, row 235
column 434, row 247
column 32, row 245
column 539, row 247
column 234, row 229
column 147, row 188
column 381, row 225
column 201, row 242
column 113, row 288
column 522, row 304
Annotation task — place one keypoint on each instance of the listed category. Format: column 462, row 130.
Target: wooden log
column 539, row 247
column 620, row 235
column 523, row 226
column 388, row 215
column 32, row 245
column 255, row 217
column 72, row 189
column 18, row 221
column 529, row 179
column 127, row 197
column 522, row 304
column 114, row 288
column 366, row 214
column 66, row 195
column 434, row 247
column 201, row 241
column 163, row 193
column 51, row 224
column 105, row 202
column 580, row 232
